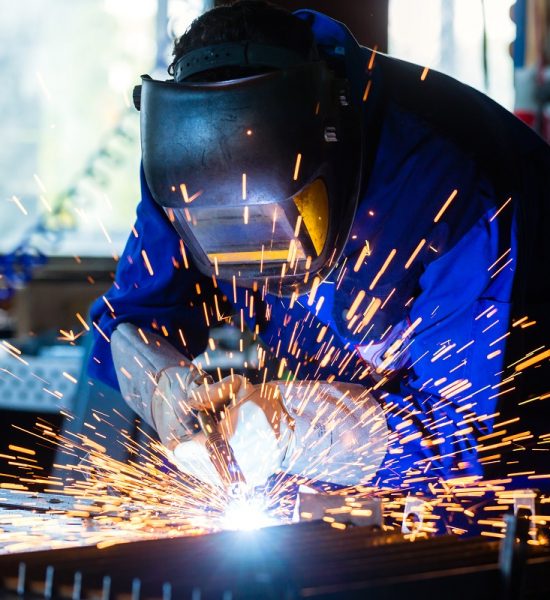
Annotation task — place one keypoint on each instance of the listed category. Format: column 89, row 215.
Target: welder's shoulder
column 478, row 125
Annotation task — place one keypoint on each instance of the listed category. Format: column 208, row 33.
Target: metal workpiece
column 345, row 547
column 303, row 560
column 413, row 514
column 512, row 553
column 339, row 509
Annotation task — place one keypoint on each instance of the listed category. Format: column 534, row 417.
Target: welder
column 380, row 227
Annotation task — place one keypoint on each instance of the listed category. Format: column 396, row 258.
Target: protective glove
column 340, row 434
column 257, row 428
column 391, row 354
column 162, row 386
column 333, row 432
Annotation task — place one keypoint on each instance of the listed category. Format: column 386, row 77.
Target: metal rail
column 306, row 560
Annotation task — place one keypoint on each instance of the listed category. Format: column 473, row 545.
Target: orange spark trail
column 445, row 206
column 382, row 269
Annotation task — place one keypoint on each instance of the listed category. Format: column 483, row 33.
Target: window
column 70, row 135
column 447, row 35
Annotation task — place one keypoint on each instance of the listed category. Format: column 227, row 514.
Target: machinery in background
column 531, row 54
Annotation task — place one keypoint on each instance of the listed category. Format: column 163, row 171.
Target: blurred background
column 70, row 152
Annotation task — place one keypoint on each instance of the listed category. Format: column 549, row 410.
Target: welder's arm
column 161, row 385
column 155, row 288
column 455, row 361
column 142, row 362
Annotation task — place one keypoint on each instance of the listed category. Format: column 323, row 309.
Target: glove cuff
column 140, row 359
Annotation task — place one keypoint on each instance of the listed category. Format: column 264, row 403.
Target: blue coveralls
column 450, row 178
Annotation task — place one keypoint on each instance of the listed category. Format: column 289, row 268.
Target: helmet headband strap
column 241, row 54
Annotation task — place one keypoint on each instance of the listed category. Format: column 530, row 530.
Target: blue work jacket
column 449, row 241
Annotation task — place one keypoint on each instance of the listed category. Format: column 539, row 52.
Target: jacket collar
column 336, row 42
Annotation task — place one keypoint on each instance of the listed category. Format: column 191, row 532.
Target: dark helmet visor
column 259, row 175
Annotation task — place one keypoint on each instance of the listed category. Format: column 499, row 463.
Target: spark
column 21, row 449
column 43, row 86
column 298, row 224
column 445, row 205
column 366, row 251
column 501, row 268
column 186, row 198
column 105, row 232
column 101, row 332
column 367, row 90
column 68, row 336
column 372, row 57
column 415, row 253
column 164, row 502
column 313, row 291
column 45, row 202
column 321, row 334
column 533, row 360
column 11, row 347
column 19, row 205
column 355, row 305
column 500, row 210
column 82, row 321
column 382, row 269
column 108, row 304
column 147, row 263
column 127, row 501
column 39, row 183
column 69, row 377
column 499, row 259
column 297, row 167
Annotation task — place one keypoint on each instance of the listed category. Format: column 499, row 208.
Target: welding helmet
column 259, row 175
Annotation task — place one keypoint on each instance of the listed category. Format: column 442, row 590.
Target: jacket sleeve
column 456, row 357
column 156, row 288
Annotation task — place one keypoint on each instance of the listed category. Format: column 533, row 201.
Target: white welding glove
column 340, row 434
column 163, row 386
column 256, row 426
column 333, row 432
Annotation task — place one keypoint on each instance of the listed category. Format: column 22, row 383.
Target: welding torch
column 221, row 454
